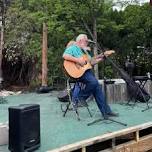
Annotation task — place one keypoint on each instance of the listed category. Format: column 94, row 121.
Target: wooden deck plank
column 97, row 139
column 144, row 144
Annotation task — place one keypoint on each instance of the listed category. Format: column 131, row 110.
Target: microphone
column 90, row 41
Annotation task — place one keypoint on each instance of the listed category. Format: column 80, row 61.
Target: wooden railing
column 133, row 139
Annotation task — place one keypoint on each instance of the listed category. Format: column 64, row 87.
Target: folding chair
column 70, row 104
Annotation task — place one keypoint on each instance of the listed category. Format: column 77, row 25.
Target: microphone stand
column 105, row 82
column 99, row 48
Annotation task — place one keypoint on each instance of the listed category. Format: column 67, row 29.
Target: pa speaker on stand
column 24, row 128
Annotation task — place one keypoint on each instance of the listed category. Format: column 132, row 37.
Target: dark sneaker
column 113, row 114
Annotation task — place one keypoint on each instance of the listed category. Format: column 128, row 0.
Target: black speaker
column 24, row 128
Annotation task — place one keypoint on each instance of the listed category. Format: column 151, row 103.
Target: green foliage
column 122, row 31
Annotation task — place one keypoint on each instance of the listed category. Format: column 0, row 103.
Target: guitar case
column 134, row 89
column 44, row 89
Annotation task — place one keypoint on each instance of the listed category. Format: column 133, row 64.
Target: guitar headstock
column 109, row 52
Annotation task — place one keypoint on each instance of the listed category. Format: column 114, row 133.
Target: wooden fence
column 117, row 92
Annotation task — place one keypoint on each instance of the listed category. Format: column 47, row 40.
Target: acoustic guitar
column 75, row 70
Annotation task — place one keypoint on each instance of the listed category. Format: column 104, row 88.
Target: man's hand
column 94, row 61
column 81, row 61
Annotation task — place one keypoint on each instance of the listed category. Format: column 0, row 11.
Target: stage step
column 3, row 133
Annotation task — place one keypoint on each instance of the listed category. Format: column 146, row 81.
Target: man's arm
column 101, row 56
column 96, row 60
column 71, row 58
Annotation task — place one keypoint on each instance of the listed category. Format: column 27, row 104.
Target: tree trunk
column 1, row 50
column 1, row 41
column 95, row 47
column 44, row 56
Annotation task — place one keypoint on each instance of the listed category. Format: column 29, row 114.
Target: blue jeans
column 92, row 87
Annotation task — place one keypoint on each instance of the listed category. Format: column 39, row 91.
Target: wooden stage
column 67, row 134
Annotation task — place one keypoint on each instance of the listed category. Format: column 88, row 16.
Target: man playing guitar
column 78, row 64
